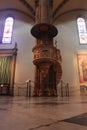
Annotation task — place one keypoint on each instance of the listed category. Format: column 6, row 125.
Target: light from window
column 82, row 30
column 8, row 28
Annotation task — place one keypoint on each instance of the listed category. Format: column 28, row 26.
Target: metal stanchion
column 67, row 89
column 18, row 91
column 61, row 89
column 29, row 88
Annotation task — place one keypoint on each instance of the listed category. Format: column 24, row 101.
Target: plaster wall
column 67, row 41
column 25, row 41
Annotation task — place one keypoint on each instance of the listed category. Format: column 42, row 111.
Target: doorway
column 7, row 71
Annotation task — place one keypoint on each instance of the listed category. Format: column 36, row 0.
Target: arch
column 68, row 12
column 19, row 11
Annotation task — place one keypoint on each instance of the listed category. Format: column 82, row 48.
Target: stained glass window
column 8, row 28
column 82, row 30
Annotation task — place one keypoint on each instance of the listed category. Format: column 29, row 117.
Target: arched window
column 8, row 28
column 82, row 30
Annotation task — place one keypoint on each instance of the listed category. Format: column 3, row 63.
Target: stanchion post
column 68, row 89
column 61, row 89
column 29, row 88
column 18, row 91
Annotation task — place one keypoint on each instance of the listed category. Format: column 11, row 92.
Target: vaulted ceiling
column 60, row 7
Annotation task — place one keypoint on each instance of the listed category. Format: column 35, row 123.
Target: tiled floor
column 43, row 113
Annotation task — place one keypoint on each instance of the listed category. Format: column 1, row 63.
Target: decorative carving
column 47, row 58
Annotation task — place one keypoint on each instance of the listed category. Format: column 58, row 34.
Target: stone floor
column 43, row 113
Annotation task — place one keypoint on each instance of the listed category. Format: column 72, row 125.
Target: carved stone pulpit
column 47, row 58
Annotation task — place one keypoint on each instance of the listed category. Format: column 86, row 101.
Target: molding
column 9, row 52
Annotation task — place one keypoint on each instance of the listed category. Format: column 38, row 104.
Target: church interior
column 43, row 64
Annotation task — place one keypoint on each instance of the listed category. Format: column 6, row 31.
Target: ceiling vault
column 26, row 4
column 17, row 10
column 59, row 7
column 69, row 11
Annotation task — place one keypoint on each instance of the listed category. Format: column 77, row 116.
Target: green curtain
column 5, row 69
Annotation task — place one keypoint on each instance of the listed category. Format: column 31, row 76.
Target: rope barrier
column 24, row 85
column 64, row 89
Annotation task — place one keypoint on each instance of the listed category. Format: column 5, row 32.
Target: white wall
column 25, row 42
column 68, row 43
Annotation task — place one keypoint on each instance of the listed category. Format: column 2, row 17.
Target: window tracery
column 82, row 30
column 8, row 29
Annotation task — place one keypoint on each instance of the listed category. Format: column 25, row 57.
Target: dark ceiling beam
column 69, row 11
column 59, row 7
column 26, row 4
